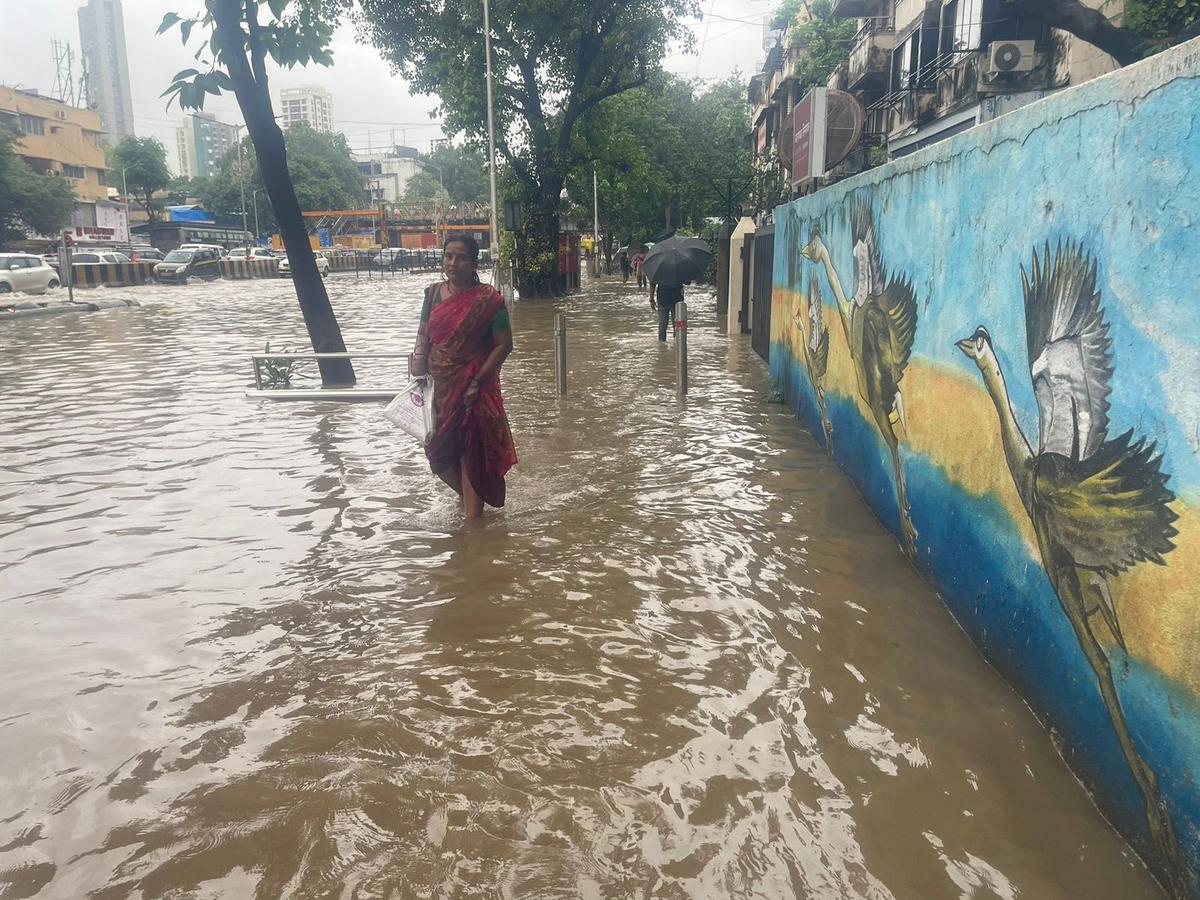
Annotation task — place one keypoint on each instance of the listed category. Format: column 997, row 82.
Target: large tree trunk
column 537, row 243
column 1075, row 17
column 254, row 100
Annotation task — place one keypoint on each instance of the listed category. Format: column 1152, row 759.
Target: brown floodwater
column 249, row 650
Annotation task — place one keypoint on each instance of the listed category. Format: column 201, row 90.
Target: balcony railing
column 870, row 55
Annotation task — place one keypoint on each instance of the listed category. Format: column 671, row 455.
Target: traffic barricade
column 249, row 268
column 112, row 274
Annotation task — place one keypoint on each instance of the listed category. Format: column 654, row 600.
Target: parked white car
column 96, row 257
column 25, row 272
column 285, row 266
column 250, row 253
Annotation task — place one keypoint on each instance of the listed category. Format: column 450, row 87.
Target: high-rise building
column 102, row 37
column 311, row 105
column 201, row 141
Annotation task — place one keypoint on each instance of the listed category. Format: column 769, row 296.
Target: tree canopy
column 825, row 38
column 139, row 165
column 463, row 172
column 424, row 186
column 321, row 166
column 29, row 202
column 554, row 62
column 663, row 154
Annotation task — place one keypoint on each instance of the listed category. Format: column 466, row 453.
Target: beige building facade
column 64, row 141
column 57, row 139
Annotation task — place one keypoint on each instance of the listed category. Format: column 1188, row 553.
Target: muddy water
column 248, row 650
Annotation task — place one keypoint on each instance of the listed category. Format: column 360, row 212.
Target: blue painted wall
column 1110, row 169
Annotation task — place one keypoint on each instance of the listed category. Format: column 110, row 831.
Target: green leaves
column 140, row 164
column 169, row 21
column 28, row 201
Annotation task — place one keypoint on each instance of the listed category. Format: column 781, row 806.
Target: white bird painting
column 1098, row 505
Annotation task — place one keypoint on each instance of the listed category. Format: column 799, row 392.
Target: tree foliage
column 29, row 202
column 826, row 40
column 424, row 186
column 139, row 165
column 663, row 156
column 554, row 62
column 321, row 166
column 463, row 171
column 1162, row 20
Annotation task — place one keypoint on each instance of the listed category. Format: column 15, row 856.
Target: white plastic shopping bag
column 412, row 409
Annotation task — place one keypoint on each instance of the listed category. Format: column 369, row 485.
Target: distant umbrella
column 677, row 261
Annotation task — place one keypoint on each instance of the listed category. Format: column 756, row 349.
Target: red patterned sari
column 460, row 340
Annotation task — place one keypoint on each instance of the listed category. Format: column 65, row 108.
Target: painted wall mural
column 1014, row 384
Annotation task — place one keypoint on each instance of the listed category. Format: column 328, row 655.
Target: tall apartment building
column 65, row 142
column 311, row 105
column 200, row 142
column 102, row 38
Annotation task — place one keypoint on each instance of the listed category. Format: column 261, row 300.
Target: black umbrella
column 677, row 261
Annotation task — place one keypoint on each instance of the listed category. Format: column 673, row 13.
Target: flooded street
column 250, row 651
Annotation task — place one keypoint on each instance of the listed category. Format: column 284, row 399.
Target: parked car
column 250, row 253
column 146, row 254
column 180, row 265
column 285, row 266
column 97, row 257
column 25, row 272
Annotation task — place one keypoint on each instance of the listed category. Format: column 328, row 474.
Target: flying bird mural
column 814, row 344
column 1098, row 505
column 879, row 322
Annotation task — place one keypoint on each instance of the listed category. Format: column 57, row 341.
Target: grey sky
column 369, row 102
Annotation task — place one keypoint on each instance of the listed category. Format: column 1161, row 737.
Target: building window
column 32, row 124
column 74, row 171
column 968, row 24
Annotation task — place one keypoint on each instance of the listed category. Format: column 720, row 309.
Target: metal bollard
column 560, row 352
column 681, row 361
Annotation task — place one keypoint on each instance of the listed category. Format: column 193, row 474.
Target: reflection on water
column 249, row 650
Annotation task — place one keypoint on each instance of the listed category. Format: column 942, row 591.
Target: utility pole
column 595, row 221
column 125, row 197
column 237, row 130
column 487, row 49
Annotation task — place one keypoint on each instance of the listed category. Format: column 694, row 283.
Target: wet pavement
column 250, row 650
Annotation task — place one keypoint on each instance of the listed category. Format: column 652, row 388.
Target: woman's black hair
column 467, row 241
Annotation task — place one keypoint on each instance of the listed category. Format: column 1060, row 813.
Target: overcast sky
column 369, row 102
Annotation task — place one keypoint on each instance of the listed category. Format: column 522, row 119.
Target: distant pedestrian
column 663, row 298
column 623, row 262
column 639, row 261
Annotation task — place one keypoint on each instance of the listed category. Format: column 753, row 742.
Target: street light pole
column 487, row 49
column 125, row 197
column 237, row 129
column 257, row 229
column 595, row 222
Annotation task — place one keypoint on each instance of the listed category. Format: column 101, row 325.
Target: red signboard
column 96, row 234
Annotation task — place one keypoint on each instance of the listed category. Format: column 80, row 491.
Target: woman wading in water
column 462, row 342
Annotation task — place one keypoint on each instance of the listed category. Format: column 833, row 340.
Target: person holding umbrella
column 663, row 298
column 670, row 265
